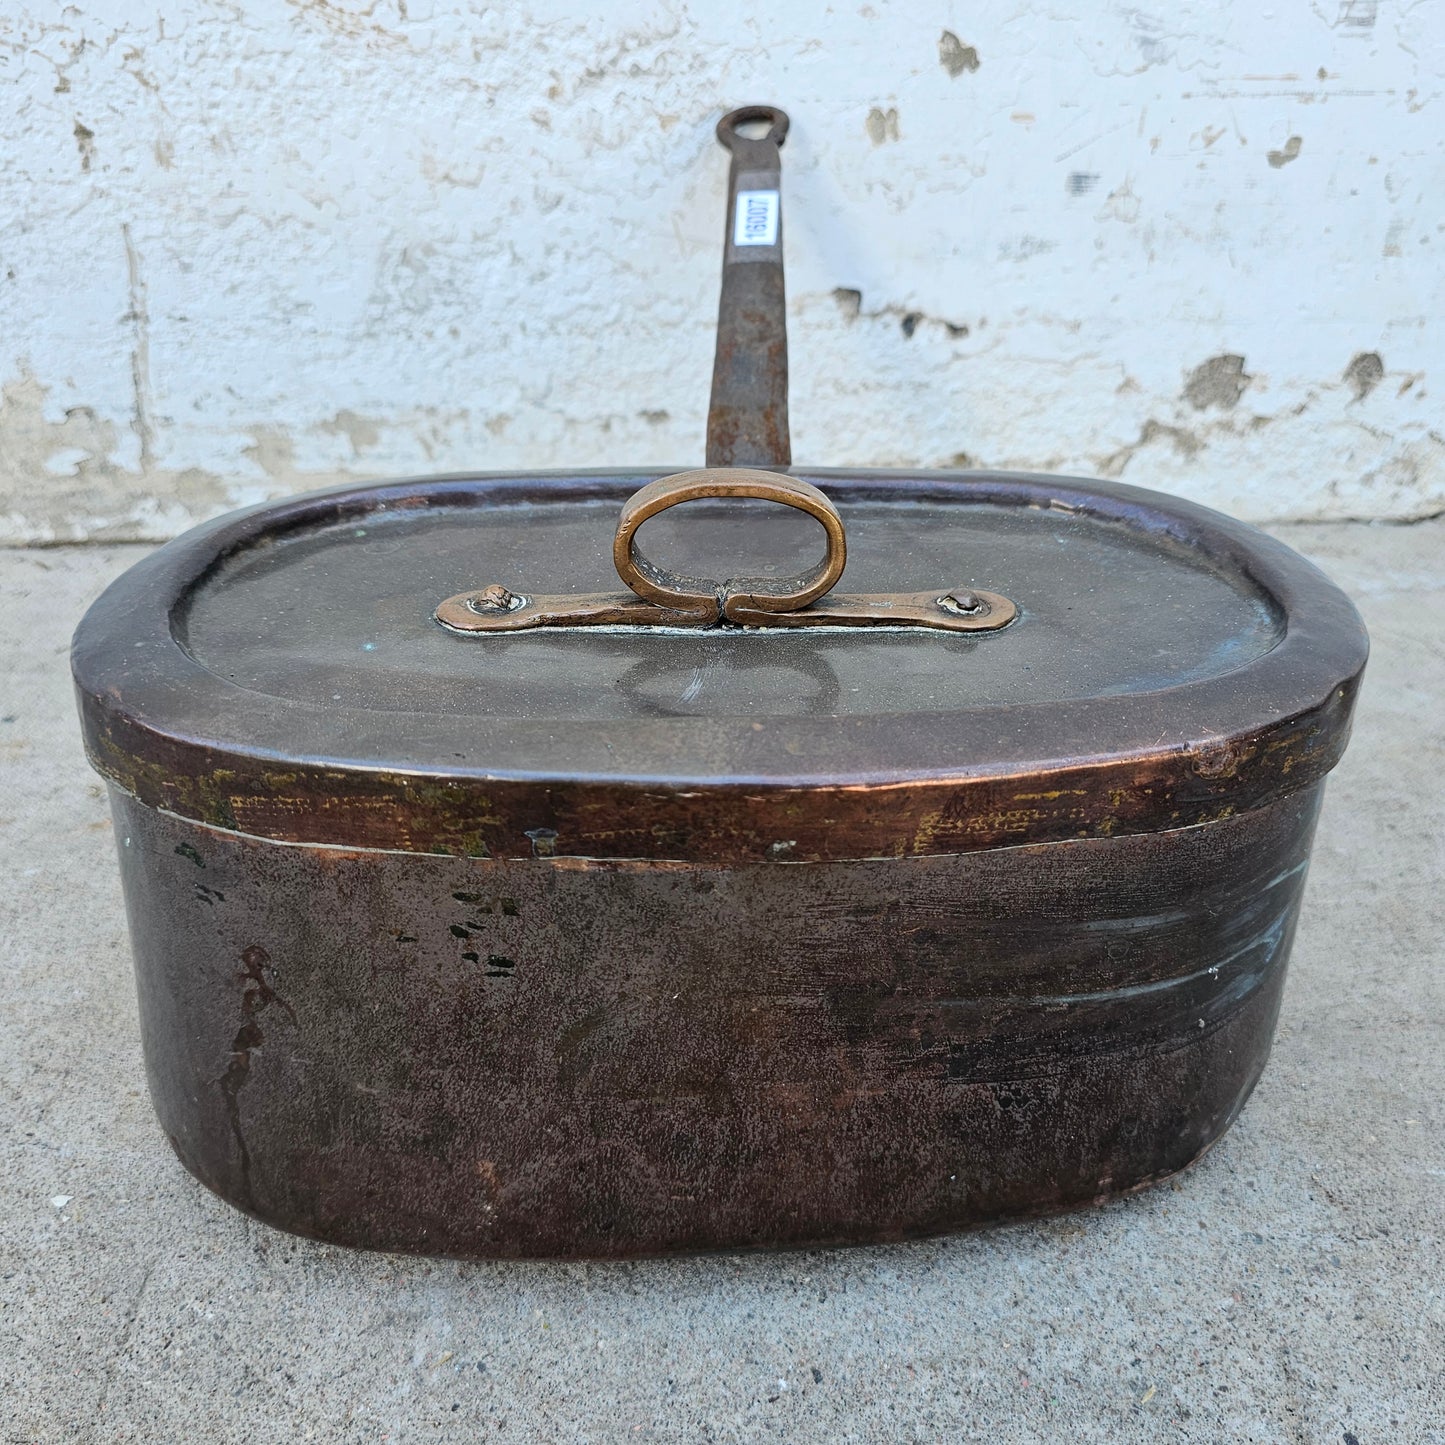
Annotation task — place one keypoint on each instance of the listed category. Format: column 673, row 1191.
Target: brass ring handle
column 754, row 594
column 663, row 599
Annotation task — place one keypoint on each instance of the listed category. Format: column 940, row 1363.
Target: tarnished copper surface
column 562, row 1057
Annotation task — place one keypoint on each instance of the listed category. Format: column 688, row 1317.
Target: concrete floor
column 1292, row 1288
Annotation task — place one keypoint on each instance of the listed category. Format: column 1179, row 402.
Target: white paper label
column 756, row 219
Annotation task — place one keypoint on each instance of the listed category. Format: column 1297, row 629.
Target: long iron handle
column 747, row 422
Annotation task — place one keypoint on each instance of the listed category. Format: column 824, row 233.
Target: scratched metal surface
column 343, row 614
column 560, row 1057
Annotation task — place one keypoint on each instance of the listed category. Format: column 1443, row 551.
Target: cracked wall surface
column 251, row 248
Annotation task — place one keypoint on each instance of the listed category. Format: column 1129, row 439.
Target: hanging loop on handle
column 747, row 421
column 729, row 131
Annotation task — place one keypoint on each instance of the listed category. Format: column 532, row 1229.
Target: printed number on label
column 756, row 223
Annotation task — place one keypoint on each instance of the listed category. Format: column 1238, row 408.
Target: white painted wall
column 254, row 247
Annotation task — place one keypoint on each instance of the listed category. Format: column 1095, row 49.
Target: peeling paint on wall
column 1286, row 153
column 60, row 480
column 1364, row 373
column 955, row 56
column 258, row 250
column 882, row 125
column 1219, row 382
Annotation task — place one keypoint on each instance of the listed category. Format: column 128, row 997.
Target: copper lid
column 1017, row 659
column 279, row 671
